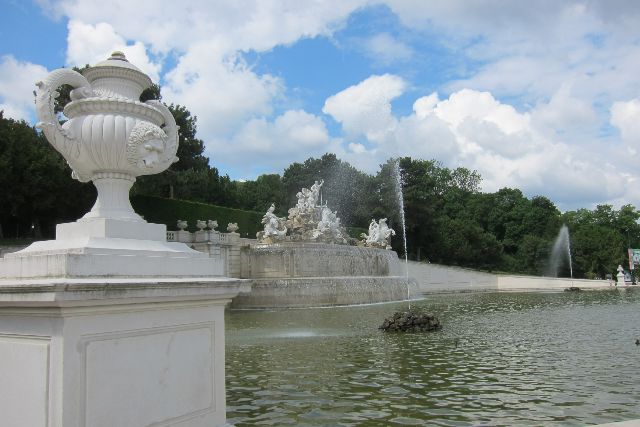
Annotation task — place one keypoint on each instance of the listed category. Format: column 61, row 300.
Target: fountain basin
column 304, row 274
column 494, row 362
column 321, row 292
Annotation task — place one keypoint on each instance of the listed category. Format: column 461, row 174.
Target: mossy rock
column 411, row 321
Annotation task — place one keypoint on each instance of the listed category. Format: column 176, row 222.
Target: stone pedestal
column 113, row 352
column 109, row 324
column 107, row 247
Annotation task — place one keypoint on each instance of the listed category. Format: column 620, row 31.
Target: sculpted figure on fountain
column 379, row 235
column 314, row 196
column 309, row 221
column 275, row 229
column 302, row 217
column 329, row 229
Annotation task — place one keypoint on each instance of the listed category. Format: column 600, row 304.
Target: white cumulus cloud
column 293, row 136
column 365, row 108
column 625, row 115
column 531, row 91
column 17, row 83
column 220, row 89
column 385, row 49
column 90, row 44
column 195, row 48
column 473, row 129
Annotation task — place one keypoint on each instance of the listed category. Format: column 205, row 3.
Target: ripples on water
column 501, row 359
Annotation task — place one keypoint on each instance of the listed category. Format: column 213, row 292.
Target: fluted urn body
column 111, row 137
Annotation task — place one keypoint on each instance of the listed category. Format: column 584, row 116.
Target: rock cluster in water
column 410, row 321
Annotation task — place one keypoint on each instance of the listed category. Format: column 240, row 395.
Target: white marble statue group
column 310, row 220
column 308, row 198
column 379, row 235
column 275, row 229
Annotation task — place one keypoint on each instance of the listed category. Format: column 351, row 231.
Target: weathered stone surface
column 410, row 321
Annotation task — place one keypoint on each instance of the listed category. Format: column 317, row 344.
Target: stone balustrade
column 223, row 247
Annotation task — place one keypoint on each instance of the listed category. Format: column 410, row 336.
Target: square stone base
column 111, row 228
column 113, row 353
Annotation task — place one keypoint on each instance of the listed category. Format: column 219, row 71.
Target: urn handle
column 61, row 139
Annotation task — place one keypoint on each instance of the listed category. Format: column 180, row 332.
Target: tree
column 190, row 148
column 36, row 188
column 258, row 195
column 467, row 244
column 596, row 250
column 190, row 177
column 345, row 188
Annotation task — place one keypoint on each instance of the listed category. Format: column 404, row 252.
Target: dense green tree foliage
column 258, row 195
column 36, row 188
column 448, row 219
column 344, row 186
column 601, row 238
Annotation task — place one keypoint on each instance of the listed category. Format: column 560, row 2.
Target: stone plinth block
column 107, row 257
column 93, row 352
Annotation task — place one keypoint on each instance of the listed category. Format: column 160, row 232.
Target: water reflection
column 501, row 359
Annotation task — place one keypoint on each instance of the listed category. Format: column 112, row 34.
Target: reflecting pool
column 500, row 359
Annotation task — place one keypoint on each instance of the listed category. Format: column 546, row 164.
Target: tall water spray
column 561, row 251
column 397, row 177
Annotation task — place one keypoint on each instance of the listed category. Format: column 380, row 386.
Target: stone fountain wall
column 304, row 274
column 304, row 259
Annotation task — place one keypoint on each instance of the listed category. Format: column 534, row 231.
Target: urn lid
column 117, row 59
column 117, row 67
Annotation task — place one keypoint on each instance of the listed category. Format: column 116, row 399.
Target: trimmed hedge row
column 168, row 211
column 355, row 232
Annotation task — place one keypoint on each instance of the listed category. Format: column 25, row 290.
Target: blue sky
column 543, row 96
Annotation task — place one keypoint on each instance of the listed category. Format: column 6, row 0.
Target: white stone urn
column 111, row 137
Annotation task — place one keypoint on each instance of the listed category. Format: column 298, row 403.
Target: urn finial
column 118, row 55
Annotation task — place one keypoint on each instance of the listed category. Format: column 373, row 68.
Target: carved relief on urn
column 111, row 137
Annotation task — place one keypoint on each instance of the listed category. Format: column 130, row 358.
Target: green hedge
column 168, row 211
column 355, row 232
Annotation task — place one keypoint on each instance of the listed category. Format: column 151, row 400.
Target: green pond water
column 538, row 359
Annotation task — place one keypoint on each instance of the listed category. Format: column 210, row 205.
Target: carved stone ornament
column 146, row 144
column 111, row 137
